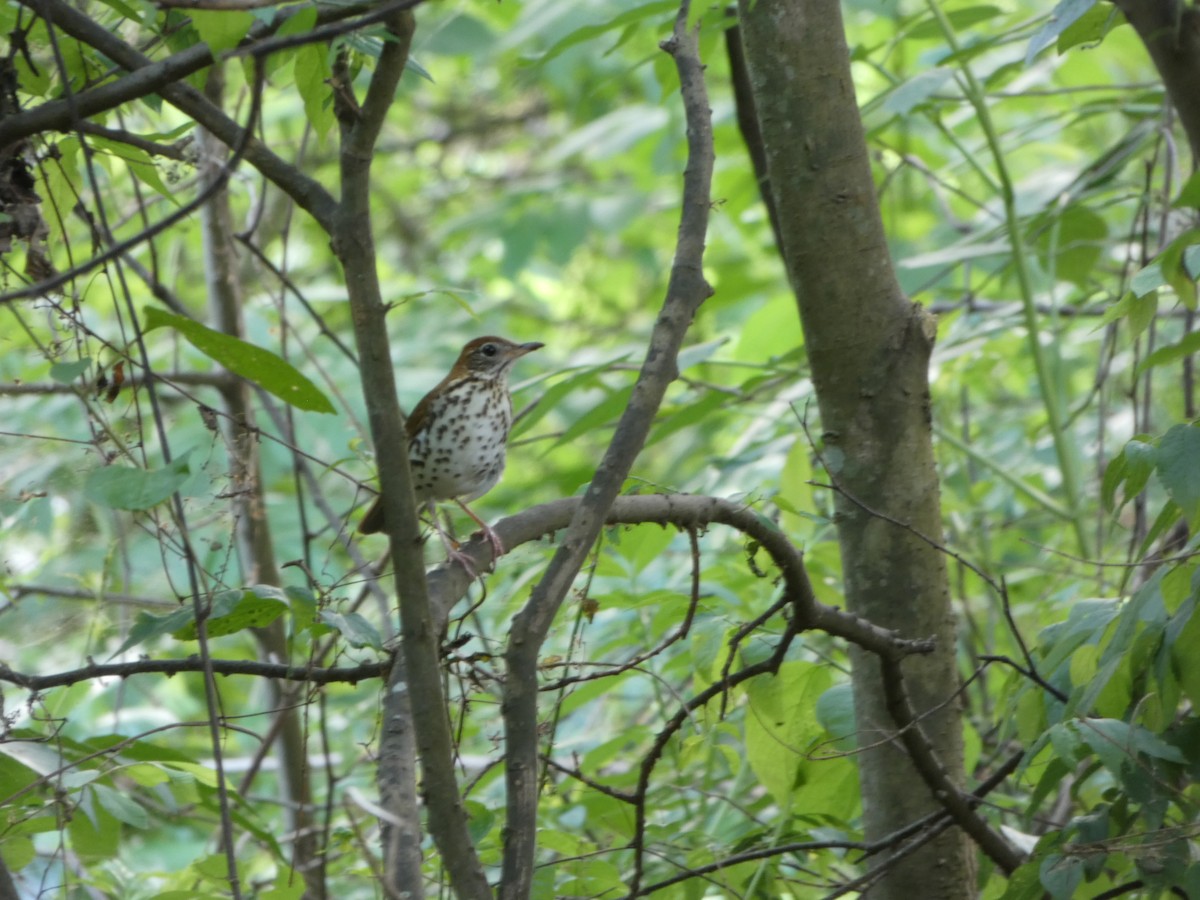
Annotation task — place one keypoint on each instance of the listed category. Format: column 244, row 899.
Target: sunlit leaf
column 264, row 368
column 221, row 30
column 1065, row 14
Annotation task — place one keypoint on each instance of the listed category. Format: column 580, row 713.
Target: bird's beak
column 522, row 349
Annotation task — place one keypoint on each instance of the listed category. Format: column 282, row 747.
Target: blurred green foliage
column 528, row 184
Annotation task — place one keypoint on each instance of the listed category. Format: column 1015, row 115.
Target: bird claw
column 492, row 538
column 464, row 559
column 454, row 555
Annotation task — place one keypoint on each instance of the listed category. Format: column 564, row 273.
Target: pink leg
column 488, row 531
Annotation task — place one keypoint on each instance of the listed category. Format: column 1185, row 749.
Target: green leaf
column 588, row 32
column 95, row 833
column 835, row 712
column 147, row 626
column 357, row 631
column 221, row 30
column 140, row 12
column 1163, row 355
column 1065, row 14
column 140, row 163
column 270, row 372
column 1185, row 658
column 604, row 412
column 1080, row 240
column 67, row 372
column 479, row 820
column 235, row 611
column 60, row 187
column 1167, row 517
column 1083, row 664
column 311, row 72
column 781, row 724
column 1176, row 269
column 1189, row 194
column 1116, row 742
column 123, row 487
column 411, row 64
column 964, row 17
column 300, row 21
column 642, row 544
column 121, row 807
column 1179, row 467
column 1140, row 461
column 902, row 99
column 1142, row 311
column 461, row 35
column 1153, row 276
column 1091, row 27
column 1024, row 883
column 794, row 487
column 1061, row 875
column 17, row 851
column 303, row 605
column 232, row 611
column 1114, row 475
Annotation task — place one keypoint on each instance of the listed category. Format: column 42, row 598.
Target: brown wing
column 417, row 418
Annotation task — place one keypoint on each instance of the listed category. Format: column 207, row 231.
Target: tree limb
column 448, row 583
column 418, row 686
column 163, row 77
column 93, row 671
column 686, row 290
column 1170, row 29
column 945, row 791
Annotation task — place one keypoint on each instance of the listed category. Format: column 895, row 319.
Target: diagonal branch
column 959, row 805
column 686, row 291
column 163, row 77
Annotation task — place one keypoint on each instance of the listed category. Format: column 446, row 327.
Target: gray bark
column 868, row 348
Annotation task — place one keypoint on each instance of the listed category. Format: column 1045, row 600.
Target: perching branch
column 448, row 583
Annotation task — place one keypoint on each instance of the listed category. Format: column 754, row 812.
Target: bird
column 457, row 434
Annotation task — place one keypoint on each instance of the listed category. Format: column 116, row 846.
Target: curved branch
column 448, row 583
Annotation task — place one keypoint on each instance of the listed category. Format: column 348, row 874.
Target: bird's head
column 491, row 357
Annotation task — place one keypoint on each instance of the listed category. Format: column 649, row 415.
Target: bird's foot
column 492, row 538
column 454, row 555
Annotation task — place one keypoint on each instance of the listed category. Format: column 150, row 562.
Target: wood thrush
column 458, row 431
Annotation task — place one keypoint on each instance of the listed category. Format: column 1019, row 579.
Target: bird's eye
column 488, row 349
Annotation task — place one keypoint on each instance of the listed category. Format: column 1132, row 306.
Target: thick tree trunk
column 1170, row 29
column 868, row 347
